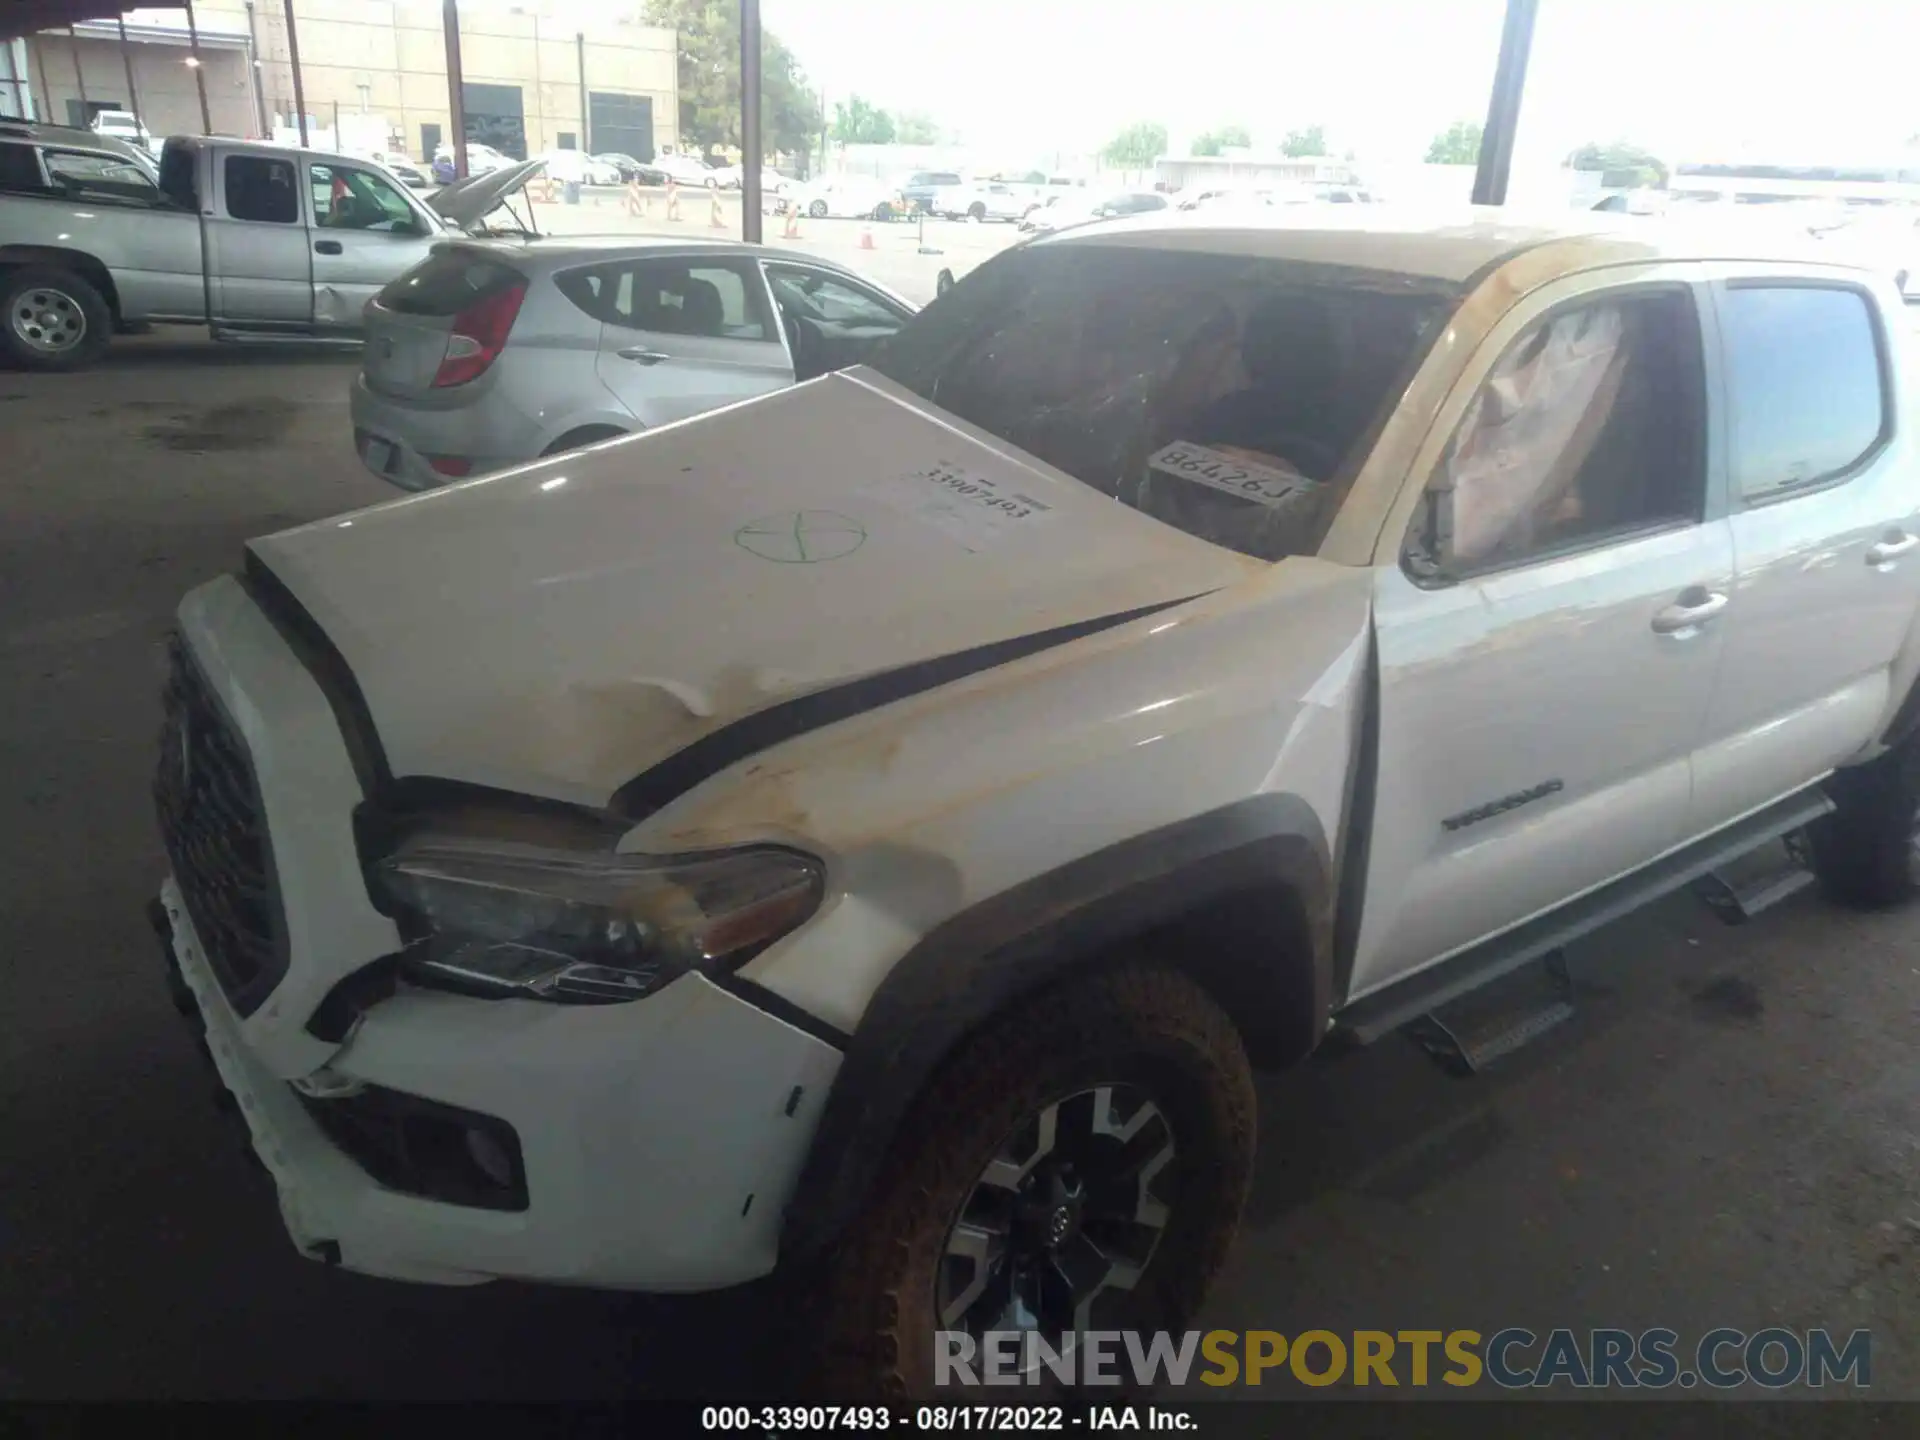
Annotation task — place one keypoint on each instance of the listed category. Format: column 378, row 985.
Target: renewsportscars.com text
column 1512, row 1359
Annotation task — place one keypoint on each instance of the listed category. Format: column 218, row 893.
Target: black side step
column 1736, row 898
column 1478, row 1029
column 1388, row 1010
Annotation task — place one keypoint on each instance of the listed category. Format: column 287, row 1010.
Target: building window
column 569, row 140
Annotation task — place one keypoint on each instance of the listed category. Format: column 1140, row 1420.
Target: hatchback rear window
column 447, row 283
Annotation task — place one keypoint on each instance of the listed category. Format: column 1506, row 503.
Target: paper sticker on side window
column 969, row 508
column 1266, row 484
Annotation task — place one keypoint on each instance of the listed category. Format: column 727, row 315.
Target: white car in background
column 985, row 200
column 579, row 168
column 1099, row 206
column 772, row 182
column 124, row 125
column 481, row 159
column 848, row 197
column 687, row 170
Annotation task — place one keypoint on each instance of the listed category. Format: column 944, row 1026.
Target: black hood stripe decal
column 709, row 755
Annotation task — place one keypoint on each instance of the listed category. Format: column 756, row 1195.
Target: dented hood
column 573, row 626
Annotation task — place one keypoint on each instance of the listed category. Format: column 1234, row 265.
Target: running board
column 1737, row 899
column 1468, row 1035
column 1385, row 1011
column 228, row 336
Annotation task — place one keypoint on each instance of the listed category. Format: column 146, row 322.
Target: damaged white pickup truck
column 884, row 821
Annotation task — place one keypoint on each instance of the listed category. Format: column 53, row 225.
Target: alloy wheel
column 1063, row 1220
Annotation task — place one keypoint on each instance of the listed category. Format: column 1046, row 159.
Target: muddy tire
column 1143, row 1169
column 51, row 319
column 1867, row 852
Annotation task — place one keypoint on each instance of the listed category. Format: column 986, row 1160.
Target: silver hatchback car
column 496, row 351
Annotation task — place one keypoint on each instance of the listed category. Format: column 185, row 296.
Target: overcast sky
column 1686, row 77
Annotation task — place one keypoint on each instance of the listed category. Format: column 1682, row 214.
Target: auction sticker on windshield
column 971, row 509
column 1249, row 479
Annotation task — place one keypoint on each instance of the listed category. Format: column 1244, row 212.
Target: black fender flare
column 1259, row 872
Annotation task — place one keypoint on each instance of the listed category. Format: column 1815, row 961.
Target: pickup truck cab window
column 99, row 179
column 345, row 198
column 1591, row 427
column 1806, row 393
column 20, row 168
column 261, row 188
column 1229, row 397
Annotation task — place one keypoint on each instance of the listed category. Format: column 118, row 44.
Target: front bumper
column 659, row 1139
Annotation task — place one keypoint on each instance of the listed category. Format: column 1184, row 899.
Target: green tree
column 1137, row 146
column 1624, row 163
column 914, row 128
column 1458, row 144
column 709, row 32
column 1227, row 137
column 855, row 122
column 1310, row 141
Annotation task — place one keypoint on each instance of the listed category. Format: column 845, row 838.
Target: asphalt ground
column 1725, row 1136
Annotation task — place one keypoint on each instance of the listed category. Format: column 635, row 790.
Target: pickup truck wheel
column 54, row 319
column 1081, row 1163
column 1867, row 852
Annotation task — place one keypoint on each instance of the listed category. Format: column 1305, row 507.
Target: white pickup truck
column 259, row 242
column 982, row 200
column 883, row 823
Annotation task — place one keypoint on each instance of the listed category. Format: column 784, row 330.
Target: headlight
column 568, row 925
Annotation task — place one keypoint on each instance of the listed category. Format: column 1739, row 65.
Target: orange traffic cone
column 792, row 230
column 673, row 199
column 714, row 220
column 866, row 237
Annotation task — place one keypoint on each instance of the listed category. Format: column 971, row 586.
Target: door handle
column 1695, row 607
column 645, row 357
column 1891, row 547
column 326, row 247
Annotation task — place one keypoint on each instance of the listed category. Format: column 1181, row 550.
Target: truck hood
column 572, row 628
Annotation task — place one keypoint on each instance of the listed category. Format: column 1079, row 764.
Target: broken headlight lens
column 584, row 926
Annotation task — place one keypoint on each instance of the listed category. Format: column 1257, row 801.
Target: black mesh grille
column 214, row 828
column 421, row 1147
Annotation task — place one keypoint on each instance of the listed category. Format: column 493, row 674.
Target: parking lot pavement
column 894, row 261
column 1725, row 1136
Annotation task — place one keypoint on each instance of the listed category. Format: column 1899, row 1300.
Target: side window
column 348, row 199
column 673, row 297
column 261, row 188
column 815, row 295
column 1805, row 388
column 19, row 168
column 1591, row 427
column 102, row 179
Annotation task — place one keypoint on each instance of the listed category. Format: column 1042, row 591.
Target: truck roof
column 1453, row 245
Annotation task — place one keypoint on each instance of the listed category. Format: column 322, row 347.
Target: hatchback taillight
column 479, row 335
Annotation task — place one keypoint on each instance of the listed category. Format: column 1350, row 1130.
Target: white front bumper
column 660, row 1138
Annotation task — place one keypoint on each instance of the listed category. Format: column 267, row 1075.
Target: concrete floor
column 1726, row 1136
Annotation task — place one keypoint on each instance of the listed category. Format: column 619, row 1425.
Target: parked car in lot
column 579, row 168
column 924, row 794
column 918, row 189
column 496, row 352
column 847, row 197
column 481, row 159
column 772, row 182
column 687, row 170
column 1084, row 208
column 987, row 200
column 125, row 126
column 630, row 168
column 259, row 242
column 402, row 168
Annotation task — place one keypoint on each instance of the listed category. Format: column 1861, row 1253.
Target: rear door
column 258, row 259
column 365, row 232
column 681, row 334
column 1826, row 535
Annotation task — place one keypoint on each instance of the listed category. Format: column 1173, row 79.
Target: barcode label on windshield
column 1265, row 484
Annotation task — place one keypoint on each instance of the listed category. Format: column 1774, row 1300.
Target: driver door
column 365, row 233
column 831, row 320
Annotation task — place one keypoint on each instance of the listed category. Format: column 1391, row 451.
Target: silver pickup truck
column 256, row 241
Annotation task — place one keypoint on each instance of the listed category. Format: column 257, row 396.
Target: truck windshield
column 1231, row 397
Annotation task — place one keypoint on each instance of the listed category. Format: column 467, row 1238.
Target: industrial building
column 373, row 74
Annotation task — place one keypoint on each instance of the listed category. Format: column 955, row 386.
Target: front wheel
column 976, row 212
column 1080, row 1164
column 1867, row 852
column 818, row 210
column 54, row 319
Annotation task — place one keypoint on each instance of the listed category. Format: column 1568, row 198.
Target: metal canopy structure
column 20, row 18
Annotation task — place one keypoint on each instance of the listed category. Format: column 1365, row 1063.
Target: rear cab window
column 20, row 168
column 1231, row 397
column 1807, row 385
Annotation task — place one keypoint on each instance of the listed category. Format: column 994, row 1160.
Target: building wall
column 390, row 59
column 169, row 99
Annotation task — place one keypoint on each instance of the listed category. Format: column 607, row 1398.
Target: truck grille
column 215, row 832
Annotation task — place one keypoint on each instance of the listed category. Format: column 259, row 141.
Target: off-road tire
column 1864, row 851
column 873, row 1308
column 15, row 288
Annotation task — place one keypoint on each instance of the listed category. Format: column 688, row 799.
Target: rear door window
column 706, row 299
column 261, row 188
column 1806, row 389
